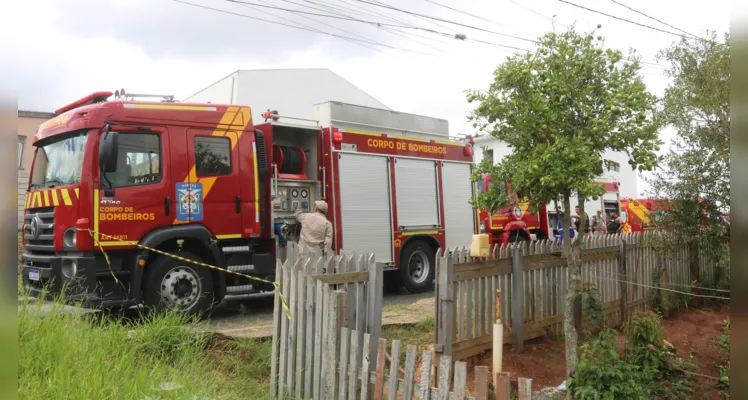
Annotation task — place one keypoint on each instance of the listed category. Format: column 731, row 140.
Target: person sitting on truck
column 316, row 230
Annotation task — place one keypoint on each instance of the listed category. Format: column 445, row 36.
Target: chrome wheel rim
column 419, row 266
column 181, row 288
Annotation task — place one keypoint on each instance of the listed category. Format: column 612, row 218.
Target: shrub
column 593, row 308
column 602, row 374
column 646, row 343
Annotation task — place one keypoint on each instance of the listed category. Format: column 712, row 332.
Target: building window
column 138, row 160
column 489, row 155
column 21, row 143
column 212, row 155
column 612, row 166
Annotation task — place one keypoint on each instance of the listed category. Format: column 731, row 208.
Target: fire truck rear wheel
column 417, row 267
column 174, row 284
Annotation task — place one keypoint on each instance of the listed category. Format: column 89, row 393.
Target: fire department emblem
column 517, row 212
column 189, row 201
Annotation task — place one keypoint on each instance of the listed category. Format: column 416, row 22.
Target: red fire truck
column 205, row 182
column 517, row 223
column 513, row 223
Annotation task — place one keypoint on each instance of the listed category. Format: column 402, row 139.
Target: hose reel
column 291, row 162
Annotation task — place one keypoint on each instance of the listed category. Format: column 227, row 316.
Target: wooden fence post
column 335, row 317
column 445, row 327
column 525, row 388
column 623, row 276
column 277, row 315
column 481, row 383
column 503, row 380
column 518, row 299
column 374, row 304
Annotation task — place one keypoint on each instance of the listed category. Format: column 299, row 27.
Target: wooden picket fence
column 355, row 365
column 300, row 326
column 529, row 286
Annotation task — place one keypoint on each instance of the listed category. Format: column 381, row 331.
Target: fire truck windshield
column 60, row 162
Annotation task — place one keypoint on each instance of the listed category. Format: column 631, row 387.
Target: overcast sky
column 66, row 49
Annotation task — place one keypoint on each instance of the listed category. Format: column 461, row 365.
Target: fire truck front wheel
column 417, row 267
column 174, row 284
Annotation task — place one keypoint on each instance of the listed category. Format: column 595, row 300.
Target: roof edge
column 35, row 114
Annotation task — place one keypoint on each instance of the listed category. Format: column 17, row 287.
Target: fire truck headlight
column 69, row 268
column 69, row 239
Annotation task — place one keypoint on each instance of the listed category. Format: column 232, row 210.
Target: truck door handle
column 238, row 204
column 167, row 205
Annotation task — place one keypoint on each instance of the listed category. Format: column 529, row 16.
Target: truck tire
column 518, row 236
column 173, row 284
column 417, row 267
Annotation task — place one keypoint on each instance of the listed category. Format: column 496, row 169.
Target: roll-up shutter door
column 416, row 190
column 365, row 205
column 459, row 216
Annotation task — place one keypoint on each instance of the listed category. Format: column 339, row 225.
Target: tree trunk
column 572, row 258
column 578, row 319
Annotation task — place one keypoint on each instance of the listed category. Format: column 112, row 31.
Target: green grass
column 93, row 357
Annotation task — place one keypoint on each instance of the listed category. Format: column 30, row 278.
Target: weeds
column 724, row 342
column 65, row 354
column 593, row 309
column 647, row 369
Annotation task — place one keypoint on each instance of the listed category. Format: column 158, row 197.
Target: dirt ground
column 693, row 333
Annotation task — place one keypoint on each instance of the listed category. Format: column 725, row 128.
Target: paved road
column 252, row 316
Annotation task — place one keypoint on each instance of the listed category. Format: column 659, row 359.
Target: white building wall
column 221, row 92
column 292, row 92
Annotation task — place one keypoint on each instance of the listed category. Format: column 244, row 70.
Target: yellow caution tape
column 254, row 278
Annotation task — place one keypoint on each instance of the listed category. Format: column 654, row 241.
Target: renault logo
column 35, row 227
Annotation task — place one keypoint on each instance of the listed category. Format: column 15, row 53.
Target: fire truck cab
column 513, row 223
column 116, row 185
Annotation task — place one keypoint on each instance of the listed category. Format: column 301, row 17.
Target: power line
column 620, row 19
column 388, row 17
column 292, row 26
column 464, row 12
column 655, row 19
column 320, row 22
column 535, row 12
column 386, row 29
column 379, row 4
column 375, row 23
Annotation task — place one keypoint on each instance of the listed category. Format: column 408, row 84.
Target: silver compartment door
column 365, row 205
column 416, row 190
column 459, row 216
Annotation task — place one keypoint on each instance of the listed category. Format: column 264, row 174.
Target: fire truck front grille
column 39, row 231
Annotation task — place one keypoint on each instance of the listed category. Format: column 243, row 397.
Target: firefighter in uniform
column 316, row 230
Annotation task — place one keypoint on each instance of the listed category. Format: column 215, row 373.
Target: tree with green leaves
column 693, row 184
column 559, row 108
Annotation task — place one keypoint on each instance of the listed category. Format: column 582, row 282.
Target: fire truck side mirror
column 108, row 149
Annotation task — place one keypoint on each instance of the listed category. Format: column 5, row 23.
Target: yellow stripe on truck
column 66, row 197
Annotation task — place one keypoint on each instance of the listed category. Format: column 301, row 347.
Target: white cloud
column 66, row 49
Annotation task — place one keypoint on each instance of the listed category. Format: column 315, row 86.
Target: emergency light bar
column 97, row 97
column 121, row 95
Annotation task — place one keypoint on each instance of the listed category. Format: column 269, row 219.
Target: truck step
column 235, row 249
column 240, row 268
column 240, row 289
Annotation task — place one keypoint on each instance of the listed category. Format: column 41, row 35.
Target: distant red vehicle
column 513, row 223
